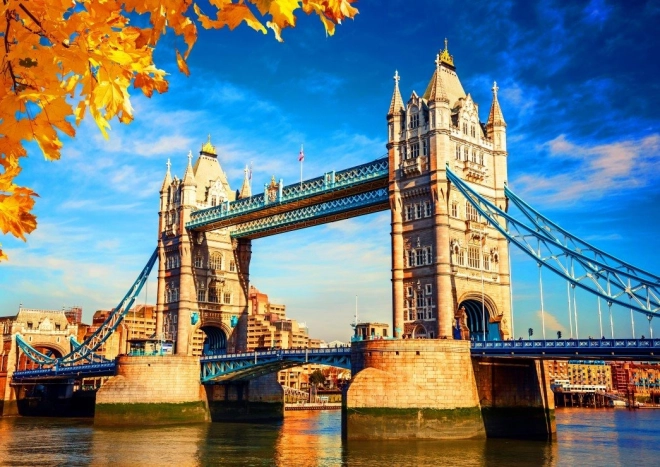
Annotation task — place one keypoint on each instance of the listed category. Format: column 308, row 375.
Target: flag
column 301, row 156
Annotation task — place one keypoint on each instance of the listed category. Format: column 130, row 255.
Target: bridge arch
column 51, row 349
column 472, row 303
column 216, row 337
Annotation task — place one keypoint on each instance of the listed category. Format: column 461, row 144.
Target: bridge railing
column 568, row 344
column 277, row 353
column 329, row 182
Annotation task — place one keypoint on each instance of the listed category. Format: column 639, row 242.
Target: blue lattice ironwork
column 85, row 370
column 330, row 211
column 581, row 264
column 308, row 192
column 83, row 354
column 250, row 365
column 648, row 349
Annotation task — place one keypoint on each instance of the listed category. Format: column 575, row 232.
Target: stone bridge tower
column 203, row 277
column 448, row 265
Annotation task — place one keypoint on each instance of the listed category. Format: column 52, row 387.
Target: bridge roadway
column 249, row 365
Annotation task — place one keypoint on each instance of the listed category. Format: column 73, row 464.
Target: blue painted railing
column 61, row 371
column 249, row 365
column 330, row 182
column 601, row 348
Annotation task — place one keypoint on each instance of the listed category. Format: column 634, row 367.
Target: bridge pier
column 256, row 400
column 416, row 388
column 152, row 391
column 434, row 389
column 515, row 397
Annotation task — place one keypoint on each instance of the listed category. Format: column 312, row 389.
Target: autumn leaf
column 63, row 59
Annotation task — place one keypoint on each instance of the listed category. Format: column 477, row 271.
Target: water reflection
column 585, row 437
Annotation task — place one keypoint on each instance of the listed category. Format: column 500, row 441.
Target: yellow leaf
column 183, row 66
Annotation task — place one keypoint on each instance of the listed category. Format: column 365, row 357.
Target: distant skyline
column 579, row 92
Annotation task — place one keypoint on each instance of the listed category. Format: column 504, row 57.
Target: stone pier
column 403, row 389
column 257, row 400
column 152, row 391
column 434, row 389
column 515, row 397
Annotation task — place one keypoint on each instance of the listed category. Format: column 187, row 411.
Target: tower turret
column 245, row 192
column 496, row 126
column 395, row 117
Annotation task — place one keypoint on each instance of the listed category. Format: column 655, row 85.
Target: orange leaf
column 183, row 66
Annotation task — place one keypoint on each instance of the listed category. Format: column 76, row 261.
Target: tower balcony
column 411, row 166
column 474, row 171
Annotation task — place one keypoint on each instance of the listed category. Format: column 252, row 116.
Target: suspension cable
column 600, row 317
column 577, row 335
column 542, row 307
column 513, row 331
column 609, row 305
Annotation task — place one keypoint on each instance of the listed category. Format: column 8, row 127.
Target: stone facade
column 202, row 277
column 152, row 390
column 444, row 257
column 412, row 389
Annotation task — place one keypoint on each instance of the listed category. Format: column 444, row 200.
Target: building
column 446, row 261
column 641, row 379
column 581, row 372
column 365, row 331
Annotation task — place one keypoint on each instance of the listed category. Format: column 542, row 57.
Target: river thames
column 585, row 437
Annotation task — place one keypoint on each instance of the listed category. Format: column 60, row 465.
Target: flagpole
column 302, row 159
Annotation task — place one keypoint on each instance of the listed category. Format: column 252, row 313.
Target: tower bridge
column 444, row 181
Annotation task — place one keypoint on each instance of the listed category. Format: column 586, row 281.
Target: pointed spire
column 436, row 88
column 168, row 177
column 396, row 105
column 188, row 177
column 246, row 191
column 445, row 57
column 495, row 117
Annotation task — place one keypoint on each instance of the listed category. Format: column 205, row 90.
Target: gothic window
column 454, row 209
column 474, row 155
column 487, row 262
column 215, row 261
column 419, row 211
column 404, row 153
column 213, row 295
column 465, row 128
column 429, row 258
column 232, row 266
column 425, row 147
column 201, row 295
column 409, row 291
column 411, row 258
column 214, row 200
column 458, row 152
column 427, row 209
column 481, row 158
column 410, row 212
column 420, row 257
column 471, row 212
column 460, row 257
column 415, row 150
column 429, row 289
column 414, row 118
column 198, row 261
column 227, row 298
column 473, row 257
column 473, row 132
column 424, row 256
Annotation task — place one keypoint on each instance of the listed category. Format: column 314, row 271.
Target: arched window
column 414, row 117
column 198, row 261
column 215, row 261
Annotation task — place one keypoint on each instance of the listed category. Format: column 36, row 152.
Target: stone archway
column 482, row 317
column 419, row 332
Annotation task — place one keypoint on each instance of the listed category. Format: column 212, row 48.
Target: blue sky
column 578, row 88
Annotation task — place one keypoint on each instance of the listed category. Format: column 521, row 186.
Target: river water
column 585, row 437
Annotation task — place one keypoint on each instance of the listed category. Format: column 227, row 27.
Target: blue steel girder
column 602, row 349
column 57, row 372
column 330, row 211
column 613, row 283
column 246, row 366
column 352, row 181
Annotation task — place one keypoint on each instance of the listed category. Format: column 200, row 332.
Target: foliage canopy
column 64, row 58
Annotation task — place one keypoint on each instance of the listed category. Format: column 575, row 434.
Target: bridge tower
column 203, row 277
column 448, row 266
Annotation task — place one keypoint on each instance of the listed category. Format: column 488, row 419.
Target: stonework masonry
column 152, row 390
column 412, row 389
